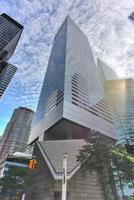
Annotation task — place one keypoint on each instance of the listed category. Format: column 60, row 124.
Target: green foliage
column 14, row 182
column 131, row 198
column 123, row 162
column 112, row 163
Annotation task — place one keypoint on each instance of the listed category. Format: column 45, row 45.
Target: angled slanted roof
column 53, row 151
column 106, row 72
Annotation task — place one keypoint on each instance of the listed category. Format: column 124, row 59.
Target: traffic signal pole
column 64, row 177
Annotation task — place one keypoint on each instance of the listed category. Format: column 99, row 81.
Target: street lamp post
column 64, row 177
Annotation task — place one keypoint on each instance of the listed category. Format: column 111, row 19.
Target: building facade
column 120, row 94
column 6, row 76
column 10, row 32
column 16, row 134
column 72, row 103
column 120, row 97
column 72, row 95
column 47, row 177
column 14, row 161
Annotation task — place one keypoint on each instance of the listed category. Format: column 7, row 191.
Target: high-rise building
column 72, row 99
column 10, row 32
column 120, row 95
column 6, row 76
column 16, row 134
column 71, row 104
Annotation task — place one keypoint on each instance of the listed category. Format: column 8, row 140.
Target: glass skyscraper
column 72, row 103
column 120, row 97
column 10, row 32
column 72, row 99
column 6, row 76
column 120, row 94
column 17, row 132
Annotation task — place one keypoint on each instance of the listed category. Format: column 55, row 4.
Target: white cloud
column 105, row 22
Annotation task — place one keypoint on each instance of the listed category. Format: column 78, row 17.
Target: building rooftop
column 28, row 109
column 12, row 20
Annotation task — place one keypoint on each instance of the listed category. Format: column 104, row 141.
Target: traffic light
column 32, row 164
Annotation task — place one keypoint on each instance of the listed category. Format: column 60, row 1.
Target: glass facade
column 7, row 31
column 17, row 132
column 54, row 79
column 6, row 76
column 72, row 87
column 10, row 32
column 120, row 94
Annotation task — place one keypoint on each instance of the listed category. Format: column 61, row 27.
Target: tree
column 131, row 198
column 124, row 163
column 14, row 182
column 112, row 163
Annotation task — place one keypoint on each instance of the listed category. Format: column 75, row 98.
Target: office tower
column 120, row 95
column 17, row 132
column 6, row 76
column 10, row 32
column 71, row 104
column 72, row 99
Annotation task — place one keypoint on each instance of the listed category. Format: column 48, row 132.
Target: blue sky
column 105, row 22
